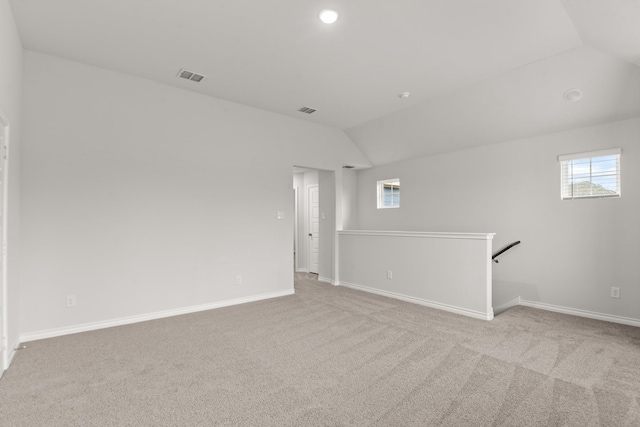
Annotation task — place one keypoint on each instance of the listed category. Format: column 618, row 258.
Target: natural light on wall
column 593, row 174
column 389, row 193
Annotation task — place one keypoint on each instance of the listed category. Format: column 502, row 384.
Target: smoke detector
column 572, row 95
column 190, row 75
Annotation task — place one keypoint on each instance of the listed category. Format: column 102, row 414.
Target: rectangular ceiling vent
column 190, row 75
column 307, row 110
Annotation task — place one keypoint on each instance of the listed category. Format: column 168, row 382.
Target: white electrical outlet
column 389, row 274
column 71, row 300
column 615, row 292
column 238, row 280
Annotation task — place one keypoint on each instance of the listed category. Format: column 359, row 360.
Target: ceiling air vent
column 307, row 110
column 348, row 167
column 190, row 75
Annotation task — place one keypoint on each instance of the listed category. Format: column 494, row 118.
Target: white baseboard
column 50, row 333
column 506, row 306
column 302, row 270
column 427, row 303
column 12, row 351
column 582, row 313
column 10, row 354
column 325, row 280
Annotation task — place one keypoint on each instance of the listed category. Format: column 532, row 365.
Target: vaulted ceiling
column 479, row 72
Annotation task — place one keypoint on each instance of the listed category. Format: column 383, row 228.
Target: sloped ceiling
column 522, row 103
column 479, row 71
column 610, row 25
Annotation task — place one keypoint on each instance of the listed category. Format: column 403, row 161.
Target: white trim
column 326, row 280
column 4, row 250
column 422, row 234
column 296, row 231
column 587, row 154
column 506, row 306
column 488, row 304
column 582, row 313
column 426, row 303
column 302, row 270
column 11, row 353
column 612, row 196
column 32, row 336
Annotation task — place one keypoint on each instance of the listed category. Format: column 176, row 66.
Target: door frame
column 4, row 330
column 296, row 230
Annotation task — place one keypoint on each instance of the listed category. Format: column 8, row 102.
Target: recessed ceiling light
column 572, row 95
column 404, row 95
column 328, row 16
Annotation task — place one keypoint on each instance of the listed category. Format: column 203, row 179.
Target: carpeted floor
column 330, row 356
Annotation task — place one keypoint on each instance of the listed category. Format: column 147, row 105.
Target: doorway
column 303, row 180
column 314, row 224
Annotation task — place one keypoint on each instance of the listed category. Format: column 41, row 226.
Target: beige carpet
column 331, row 357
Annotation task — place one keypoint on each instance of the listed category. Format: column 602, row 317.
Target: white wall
column 298, row 185
column 327, row 188
column 572, row 252
column 450, row 272
column 10, row 107
column 140, row 198
column 349, row 199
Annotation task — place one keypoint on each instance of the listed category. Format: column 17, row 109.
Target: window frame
column 568, row 176
column 380, row 193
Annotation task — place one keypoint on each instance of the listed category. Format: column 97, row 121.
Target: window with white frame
column 389, row 193
column 593, row 174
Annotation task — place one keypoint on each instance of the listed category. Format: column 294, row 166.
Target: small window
column 590, row 175
column 389, row 193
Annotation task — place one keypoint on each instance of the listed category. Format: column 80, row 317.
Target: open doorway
column 314, row 221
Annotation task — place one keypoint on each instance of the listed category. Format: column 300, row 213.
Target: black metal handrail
column 503, row 250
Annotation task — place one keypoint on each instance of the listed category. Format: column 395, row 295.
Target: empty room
column 320, row 213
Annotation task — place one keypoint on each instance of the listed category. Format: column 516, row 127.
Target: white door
column 314, row 228
column 3, row 246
